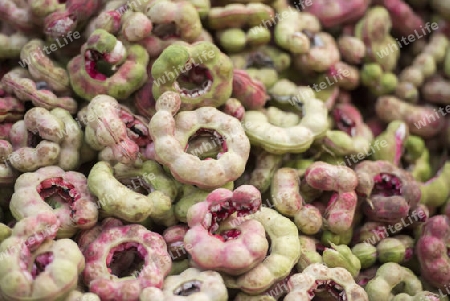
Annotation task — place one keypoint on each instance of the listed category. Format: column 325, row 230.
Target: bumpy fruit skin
column 396, row 200
column 7, row 173
column 387, row 277
column 263, row 64
column 341, row 256
column 404, row 20
column 391, row 250
column 352, row 135
column 309, row 219
column 368, row 230
column 233, row 256
column 287, row 200
column 118, row 200
column 288, row 96
column 366, row 253
column 17, row 15
column 436, row 190
column 174, row 238
column 329, row 237
column 352, row 49
column 238, row 15
column 109, row 129
column 417, row 156
column 432, row 251
column 380, row 82
column 289, row 31
column 201, row 56
column 11, row 108
column 295, row 136
column 86, row 237
column 322, row 55
column 202, row 7
column 373, row 29
column 421, row 120
column 73, row 17
column 171, row 136
column 79, row 211
column 397, row 249
column 111, row 19
column 180, row 14
column 437, row 90
column 129, row 29
column 21, row 83
column 130, row 75
column 149, row 175
column 421, row 74
column 13, row 43
column 144, row 102
column 342, row 181
column 43, row 68
column 234, row 107
column 285, row 192
column 32, row 239
column 229, row 23
column 285, row 252
column 191, row 195
column 209, row 287
column 40, row 9
column 275, row 292
column 61, row 140
column 308, row 253
column 344, row 75
column 250, row 91
column 98, row 275
column 395, row 137
column 266, row 166
column 303, row 285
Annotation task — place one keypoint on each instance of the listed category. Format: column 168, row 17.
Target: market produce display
column 213, row 150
